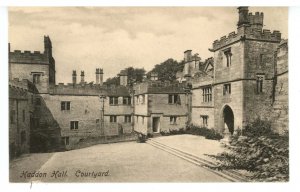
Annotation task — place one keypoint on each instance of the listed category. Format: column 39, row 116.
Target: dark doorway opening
column 155, row 124
column 228, row 119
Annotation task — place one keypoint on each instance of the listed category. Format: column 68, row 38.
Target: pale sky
column 86, row 38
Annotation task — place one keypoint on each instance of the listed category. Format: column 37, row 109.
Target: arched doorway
column 228, row 119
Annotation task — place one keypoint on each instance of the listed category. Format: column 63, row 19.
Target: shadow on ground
column 27, row 162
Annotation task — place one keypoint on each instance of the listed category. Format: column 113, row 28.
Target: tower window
column 259, row 83
column 206, row 94
column 227, row 89
column 228, row 56
column 36, row 78
column 204, row 120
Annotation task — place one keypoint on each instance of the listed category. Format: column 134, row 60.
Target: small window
column 170, row 99
column 23, row 115
column 126, row 100
column 127, row 119
column 65, row 140
column 174, row 99
column 73, row 125
column 143, row 120
column 227, row 89
column 228, row 56
column 113, row 100
column 36, row 78
column 173, row 120
column 206, row 94
column 204, row 120
column 65, row 105
column 97, row 120
column 259, row 83
column 113, row 119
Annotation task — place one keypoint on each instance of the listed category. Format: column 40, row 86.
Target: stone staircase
column 231, row 175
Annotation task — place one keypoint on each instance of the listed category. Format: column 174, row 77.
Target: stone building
column 241, row 85
column 65, row 115
column 281, row 92
column 246, row 78
column 160, row 107
column 20, row 116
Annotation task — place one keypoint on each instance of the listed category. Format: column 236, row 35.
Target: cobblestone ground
column 121, row 162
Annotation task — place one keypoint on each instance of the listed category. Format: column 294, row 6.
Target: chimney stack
column 82, row 77
column 97, row 76
column 74, row 77
column 123, row 77
column 243, row 16
column 101, row 76
column 188, row 55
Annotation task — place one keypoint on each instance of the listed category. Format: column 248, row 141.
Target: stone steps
column 232, row 176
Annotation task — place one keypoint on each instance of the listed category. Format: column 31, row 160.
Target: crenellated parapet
column 28, row 57
column 19, row 89
column 151, row 87
column 88, row 90
column 249, row 27
column 248, row 33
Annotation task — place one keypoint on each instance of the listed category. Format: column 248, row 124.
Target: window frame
column 173, row 120
column 127, row 100
column 260, row 83
column 65, row 105
column 174, row 99
column 113, row 118
column 113, row 100
column 36, row 78
column 226, row 89
column 74, row 125
column 204, row 120
column 207, row 94
column 127, row 119
column 228, row 55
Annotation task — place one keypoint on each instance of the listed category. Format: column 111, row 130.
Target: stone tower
column 243, row 72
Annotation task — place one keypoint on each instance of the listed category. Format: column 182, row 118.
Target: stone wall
column 25, row 71
column 259, row 60
column 20, row 110
column 281, row 103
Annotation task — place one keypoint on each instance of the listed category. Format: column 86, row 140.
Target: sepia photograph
column 183, row 94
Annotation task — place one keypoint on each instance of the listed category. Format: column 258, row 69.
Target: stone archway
column 228, row 118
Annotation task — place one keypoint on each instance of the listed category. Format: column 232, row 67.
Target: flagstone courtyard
column 118, row 162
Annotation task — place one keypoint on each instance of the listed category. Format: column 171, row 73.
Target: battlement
column 256, row 19
column 88, row 90
column 152, row 87
column 28, row 57
column 250, row 26
column 20, row 84
column 253, row 34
